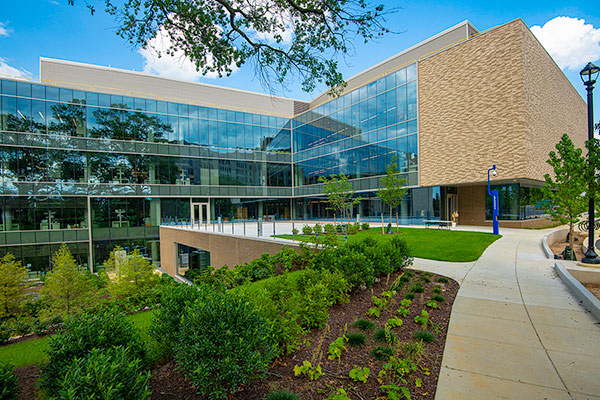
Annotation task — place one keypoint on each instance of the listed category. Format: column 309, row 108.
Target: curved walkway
column 516, row 332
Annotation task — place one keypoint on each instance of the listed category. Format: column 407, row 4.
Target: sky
column 53, row 28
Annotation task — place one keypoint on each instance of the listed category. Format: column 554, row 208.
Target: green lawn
column 433, row 243
column 33, row 351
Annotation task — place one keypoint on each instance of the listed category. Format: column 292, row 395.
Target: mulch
column 558, row 247
column 168, row 383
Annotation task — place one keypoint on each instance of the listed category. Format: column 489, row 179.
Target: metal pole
column 273, row 227
column 244, row 227
column 590, row 255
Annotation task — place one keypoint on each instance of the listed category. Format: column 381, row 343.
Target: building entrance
column 200, row 213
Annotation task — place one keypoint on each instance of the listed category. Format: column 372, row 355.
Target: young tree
column 392, row 191
column 565, row 191
column 12, row 279
column 66, row 287
column 277, row 37
column 129, row 273
column 340, row 194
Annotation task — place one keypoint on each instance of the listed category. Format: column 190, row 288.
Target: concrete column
column 155, row 212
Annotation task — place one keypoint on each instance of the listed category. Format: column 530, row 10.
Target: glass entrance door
column 200, row 214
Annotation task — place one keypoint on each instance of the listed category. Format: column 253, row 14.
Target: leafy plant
column 374, row 312
column 403, row 312
column 329, row 228
column 87, row 332
column 294, row 232
column 9, row 388
column 364, row 324
column 356, row 339
column 313, row 372
column 395, row 373
column 338, row 394
column 393, row 392
column 422, row 319
column 317, row 229
column 438, row 297
column 384, row 335
column 381, row 353
column 414, row 350
column 336, row 347
column 405, row 302
column 105, row 374
column 282, row 395
column 432, row 304
column 223, row 343
column 307, row 230
column 358, row 374
column 424, row 336
column 394, row 322
column 364, row 226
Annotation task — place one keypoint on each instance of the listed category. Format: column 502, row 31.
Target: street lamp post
column 588, row 76
column 494, row 194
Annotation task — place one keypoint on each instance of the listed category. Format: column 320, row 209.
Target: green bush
column 223, row 343
column 6, row 331
column 307, row 230
column 385, row 336
column 356, row 339
column 364, row 324
column 364, row 226
column 382, row 353
column 167, row 319
column 424, row 336
column 108, row 374
column 79, row 336
column 329, row 228
column 8, row 383
column 353, row 228
column 282, row 395
column 317, row 229
column 438, row 297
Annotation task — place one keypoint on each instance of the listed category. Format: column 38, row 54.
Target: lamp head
column 494, row 173
column 589, row 74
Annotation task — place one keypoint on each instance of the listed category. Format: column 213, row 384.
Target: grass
column 433, row 244
column 382, row 353
column 364, row 324
column 382, row 335
column 424, row 336
column 356, row 339
column 34, row 351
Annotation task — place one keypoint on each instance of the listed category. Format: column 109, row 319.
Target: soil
column 168, row 383
column 559, row 247
column 593, row 288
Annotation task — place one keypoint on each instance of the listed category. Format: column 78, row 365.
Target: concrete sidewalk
column 515, row 331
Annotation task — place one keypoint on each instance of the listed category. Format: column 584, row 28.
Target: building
column 98, row 157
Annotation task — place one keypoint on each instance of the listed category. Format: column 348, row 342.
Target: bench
column 439, row 223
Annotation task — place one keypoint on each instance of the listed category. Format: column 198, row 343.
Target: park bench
column 441, row 224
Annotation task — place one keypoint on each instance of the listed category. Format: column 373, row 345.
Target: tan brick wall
column 482, row 103
column 553, row 107
column 224, row 249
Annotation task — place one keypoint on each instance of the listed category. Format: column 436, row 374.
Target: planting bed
column 168, row 383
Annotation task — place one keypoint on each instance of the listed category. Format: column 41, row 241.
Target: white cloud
column 6, row 69
column 175, row 65
column 570, row 41
column 3, row 30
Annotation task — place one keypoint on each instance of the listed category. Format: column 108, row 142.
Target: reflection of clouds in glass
column 6, row 69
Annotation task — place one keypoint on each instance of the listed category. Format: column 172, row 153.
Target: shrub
column 329, row 228
column 167, row 319
column 364, row 324
column 364, row 226
column 295, row 231
column 356, row 339
column 282, row 395
column 307, row 230
column 424, row 336
column 353, row 228
column 8, row 383
column 340, row 228
column 314, row 306
column 223, row 343
column 385, row 336
column 6, row 332
column 105, row 374
column 381, row 353
column 317, row 229
column 438, row 297
column 79, row 336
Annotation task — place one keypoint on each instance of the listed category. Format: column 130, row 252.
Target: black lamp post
column 588, row 76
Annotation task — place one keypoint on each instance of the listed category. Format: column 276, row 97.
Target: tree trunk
column 572, row 239
column 382, row 224
column 397, row 227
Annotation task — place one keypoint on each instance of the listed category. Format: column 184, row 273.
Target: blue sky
column 52, row 28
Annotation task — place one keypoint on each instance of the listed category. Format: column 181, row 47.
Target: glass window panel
column 172, row 108
column 139, row 104
column 213, row 133
column 411, row 95
column 401, row 105
column 193, row 111
column 129, row 102
column 203, row 132
column 116, row 101
column 9, row 88
column 390, row 112
column 78, row 96
column 412, row 126
column 222, row 134
column 66, row 95
column 38, row 91
column 173, row 121
column 91, row 99
column 192, row 134
column 183, row 110
column 411, row 72
column 161, row 107
column 38, row 115
column 103, row 100
column 400, row 76
column 202, row 112
column 381, row 85
column 23, row 89
column 52, row 93
column 183, row 130
column 212, row 113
